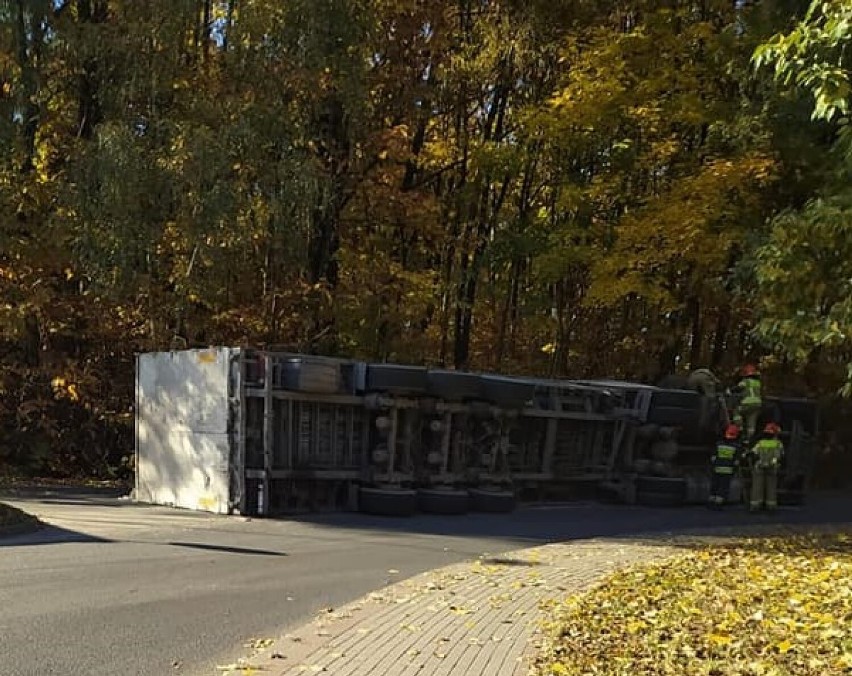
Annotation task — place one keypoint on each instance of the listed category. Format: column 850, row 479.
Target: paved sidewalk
column 474, row 618
column 482, row 617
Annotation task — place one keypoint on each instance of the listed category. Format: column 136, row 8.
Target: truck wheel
column 443, row 501
column 387, row 501
column 671, row 416
column 492, row 502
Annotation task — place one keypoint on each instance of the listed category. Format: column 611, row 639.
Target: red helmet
column 772, row 428
column 749, row 370
column 732, row 432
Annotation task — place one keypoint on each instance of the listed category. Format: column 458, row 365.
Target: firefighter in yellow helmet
column 724, row 463
column 750, row 393
column 766, row 454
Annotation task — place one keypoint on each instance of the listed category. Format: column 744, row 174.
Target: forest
column 568, row 188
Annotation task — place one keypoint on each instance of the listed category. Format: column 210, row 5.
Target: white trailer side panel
column 182, row 445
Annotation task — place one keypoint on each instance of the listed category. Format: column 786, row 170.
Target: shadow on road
column 226, row 550
column 528, row 526
column 50, row 535
column 53, row 535
column 560, row 523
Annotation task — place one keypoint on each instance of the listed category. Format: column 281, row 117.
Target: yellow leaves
column 784, row 647
column 719, row 639
column 756, row 607
column 64, row 389
column 635, row 626
column 460, row 610
column 688, row 228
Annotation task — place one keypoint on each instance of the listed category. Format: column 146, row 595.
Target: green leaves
column 813, row 56
column 802, row 271
column 804, row 279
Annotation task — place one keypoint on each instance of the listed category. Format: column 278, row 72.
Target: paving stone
column 474, row 618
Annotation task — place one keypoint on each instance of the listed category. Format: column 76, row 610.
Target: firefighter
column 750, row 394
column 714, row 410
column 724, row 462
column 766, row 459
column 705, row 382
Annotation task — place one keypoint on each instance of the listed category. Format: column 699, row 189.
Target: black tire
column 675, row 398
column 669, row 416
column 492, row 502
column 396, row 379
column 303, row 374
column 507, row 392
column 662, row 486
column 652, row 499
column 387, row 501
column 443, row 501
column 454, row 385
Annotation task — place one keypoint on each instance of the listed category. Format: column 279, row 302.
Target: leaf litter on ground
column 762, row 606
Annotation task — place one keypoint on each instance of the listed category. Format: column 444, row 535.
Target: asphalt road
column 116, row 588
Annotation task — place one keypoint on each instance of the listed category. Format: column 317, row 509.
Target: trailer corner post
column 268, row 436
column 242, row 425
column 136, row 433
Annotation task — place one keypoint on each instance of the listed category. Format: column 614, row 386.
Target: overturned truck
column 232, row 430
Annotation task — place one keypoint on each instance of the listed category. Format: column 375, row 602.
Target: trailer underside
column 233, row 430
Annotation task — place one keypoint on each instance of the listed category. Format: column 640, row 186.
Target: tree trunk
column 509, row 311
column 89, row 109
column 720, row 340
column 28, row 42
column 206, row 27
column 697, row 342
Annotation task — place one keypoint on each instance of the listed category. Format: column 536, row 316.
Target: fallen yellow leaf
column 720, row 639
column 784, row 647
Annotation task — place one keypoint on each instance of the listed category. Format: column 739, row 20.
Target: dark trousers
column 720, row 488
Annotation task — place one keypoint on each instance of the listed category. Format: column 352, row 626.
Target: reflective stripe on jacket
column 724, row 459
column 751, row 390
column 768, row 452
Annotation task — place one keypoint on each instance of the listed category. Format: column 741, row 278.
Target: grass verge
column 761, row 606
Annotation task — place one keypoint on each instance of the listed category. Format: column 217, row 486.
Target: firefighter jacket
column 725, row 458
column 768, row 453
column 750, row 391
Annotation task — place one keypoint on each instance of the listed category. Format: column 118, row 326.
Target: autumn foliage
column 762, row 606
column 566, row 188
